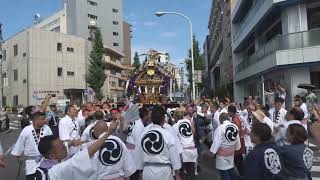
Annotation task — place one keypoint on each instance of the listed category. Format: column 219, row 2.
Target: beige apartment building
column 37, row 62
column 52, row 56
column 217, row 55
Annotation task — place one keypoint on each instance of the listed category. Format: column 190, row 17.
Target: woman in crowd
column 297, row 158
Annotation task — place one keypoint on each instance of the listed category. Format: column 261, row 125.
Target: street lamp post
column 1, row 59
column 159, row 14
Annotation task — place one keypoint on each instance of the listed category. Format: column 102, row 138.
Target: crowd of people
column 95, row 141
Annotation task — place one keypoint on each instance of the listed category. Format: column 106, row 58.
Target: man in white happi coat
column 69, row 130
column 113, row 161
column 226, row 142
column 159, row 151
column 184, row 129
column 278, row 113
column 88, row 134
column 78, row 167
column 28, row 141
column 294, row 116
column 135, row 129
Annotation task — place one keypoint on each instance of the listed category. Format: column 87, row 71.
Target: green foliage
column 198, row 65
column 136, row 62
column 96, row 71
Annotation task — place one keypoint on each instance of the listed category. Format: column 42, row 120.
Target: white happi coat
column 306, row 117
column 247, row 122
column 88, row 133
column 226, row 142
column 113, row 161
column 69, row 129
column 27, row 144
column 135, row 130
column 279, row 118
column 281, row 136
column 184, row 130
column 159, row 153
column 174, row 135
column 78, row 167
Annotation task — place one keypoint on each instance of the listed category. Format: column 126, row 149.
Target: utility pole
column 1, row 59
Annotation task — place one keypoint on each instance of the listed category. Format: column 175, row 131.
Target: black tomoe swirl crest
column 91, row 134
column 110, row 153
column 231, row 133
column 152, row 143
column 185, row 129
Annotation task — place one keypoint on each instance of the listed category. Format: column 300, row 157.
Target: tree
column 96, row 71
column 136, row 62
column 197, row 60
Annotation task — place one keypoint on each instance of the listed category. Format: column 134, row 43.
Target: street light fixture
column 159, row 14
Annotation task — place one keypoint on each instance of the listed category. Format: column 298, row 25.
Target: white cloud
column 150, row 24
column 168, row 34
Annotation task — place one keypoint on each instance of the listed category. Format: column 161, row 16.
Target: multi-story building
column 218, row 50
column 127, row 43
column 37, row 62
column 76, row 16
column 63, row 43
column 164, row 57
column 116, row 74
column 275, row 42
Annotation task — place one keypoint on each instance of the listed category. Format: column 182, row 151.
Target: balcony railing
column 282, row 42
column 116, row 63
column 248, row 18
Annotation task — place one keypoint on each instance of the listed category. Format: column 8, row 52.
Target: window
column 92, row 16
column 115, row 33
column 59, row 71
column 92, row 3
column 113, row 84
column 115, row 22
column 24, row 54
column 4, row 79
column 59, row 47
column 115, row 10
column 15, row 74
column 70, row 49
column 4, row 55
column 115, row 44
column 15, row 50
column 15, row 100
column 70, row 73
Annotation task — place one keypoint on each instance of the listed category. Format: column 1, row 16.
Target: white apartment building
column 278, row 40
column 52, row 56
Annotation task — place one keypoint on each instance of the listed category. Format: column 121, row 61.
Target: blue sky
column 169, row 33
